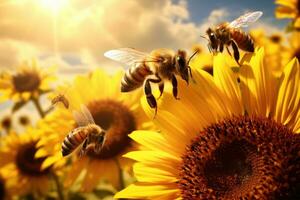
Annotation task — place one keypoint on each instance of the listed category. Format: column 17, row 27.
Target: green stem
column 49, row 110
column 121, row 175
column 38, row 107
column 58, row 186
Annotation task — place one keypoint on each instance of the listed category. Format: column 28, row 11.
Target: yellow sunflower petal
column 113, row 176
column 226, row 79
column 285, row 12
column 6, row 158
column 98, row 77
column 287, row 3
column 288, row 103
column 140, row 190
column 155, row 173
column 174, row 195
column 41, row 153
column 95, row 171
column 297, row 22
column 258, row 85
column 77, row 167
column 4, row 96
column 152, row 156
column 153, row 141
column 49, row 161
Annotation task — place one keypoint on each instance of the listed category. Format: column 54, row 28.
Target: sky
column 74, row 34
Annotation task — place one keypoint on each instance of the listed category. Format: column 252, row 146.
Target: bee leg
column 83, row 148
column 150, row 98
column 161, row 89
column 190, row 71
column 221, row 47
column 228, row 51
column 174, row 84
column 209, row 48
column 236, row 52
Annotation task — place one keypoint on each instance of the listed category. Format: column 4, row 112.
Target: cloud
column 83, row 31
column 13, row 52
column 215, row 17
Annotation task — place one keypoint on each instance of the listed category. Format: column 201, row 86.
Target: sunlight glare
column 54, row 5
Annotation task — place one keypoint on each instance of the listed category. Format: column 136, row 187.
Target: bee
column 230, row 34
column 154, row 67
column 60, row 98
column 90, row 136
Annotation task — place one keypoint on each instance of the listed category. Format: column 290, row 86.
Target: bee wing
column 83, row 117
column 129, row 56
column 246, row 19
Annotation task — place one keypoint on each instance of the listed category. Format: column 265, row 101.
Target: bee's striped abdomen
column 243, row 40
column 134, row 77
column 73, row 140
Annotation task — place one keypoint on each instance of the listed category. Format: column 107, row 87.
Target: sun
column 54, row 5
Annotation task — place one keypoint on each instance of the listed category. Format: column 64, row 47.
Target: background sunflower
column 289, row 9
column 28, row 83
column 18, row 161
column 119, row 114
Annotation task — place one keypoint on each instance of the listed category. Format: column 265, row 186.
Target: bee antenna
column 204, row 37
column 189, row 68
column 192, row 56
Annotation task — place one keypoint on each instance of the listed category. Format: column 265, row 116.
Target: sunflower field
column 217, row 120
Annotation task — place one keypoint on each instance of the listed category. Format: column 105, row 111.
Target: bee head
column 212, row 38
column 181, row 65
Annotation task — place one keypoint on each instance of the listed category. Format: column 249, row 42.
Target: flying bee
column 230, row 34
column 154, row 67
column 60, row 98
column 90, row 136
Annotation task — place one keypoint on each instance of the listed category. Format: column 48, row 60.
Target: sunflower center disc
column 24, row 120
column 242, row 158
column 6, row 123
column 27, row 163
column 118, row 121
column 26, row 81
column 275, row 38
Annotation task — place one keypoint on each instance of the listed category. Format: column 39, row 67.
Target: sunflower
column 275, row 49
column 117, row 113
column 17, row 158
column 293, row 49
column 28, row 82
column 226, row 138
column 289, row 9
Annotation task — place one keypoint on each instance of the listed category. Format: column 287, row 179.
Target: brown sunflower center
column 118, row 121
column 26, row 81
column 275, row 38
column 242, row 158
column 24, row 120
column 2, row 189
column 6, row 123
column 27, row 163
